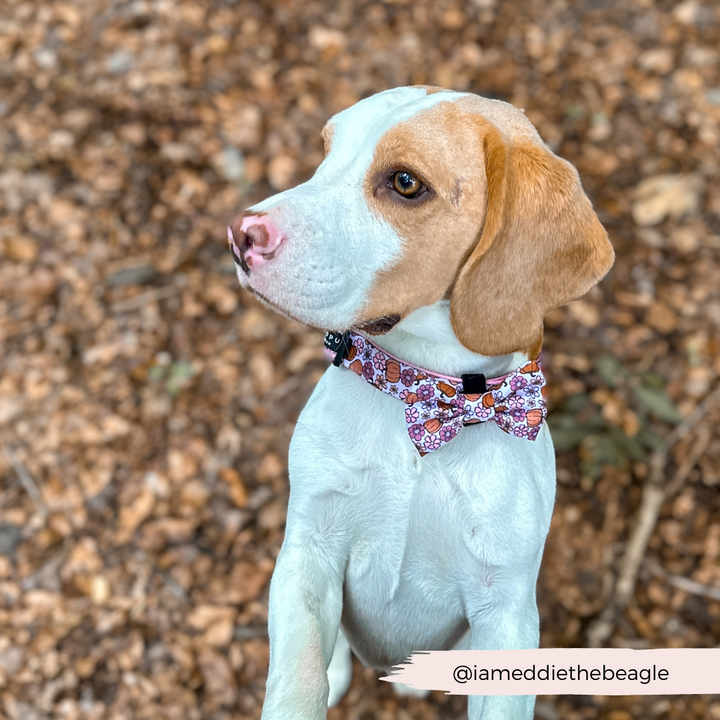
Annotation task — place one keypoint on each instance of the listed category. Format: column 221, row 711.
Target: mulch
column 146, row 403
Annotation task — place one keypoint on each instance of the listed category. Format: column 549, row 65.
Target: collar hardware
column 338, row 343
column 474, row 383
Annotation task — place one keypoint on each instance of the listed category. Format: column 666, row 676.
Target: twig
column 696, row 452
column 144, row 298
column 26, row 480
column 684, row 583
column 655, row 491
column 681, row 430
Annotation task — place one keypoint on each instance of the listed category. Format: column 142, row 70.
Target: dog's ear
column 541, row 245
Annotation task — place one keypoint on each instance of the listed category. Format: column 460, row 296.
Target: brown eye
column 406, row 184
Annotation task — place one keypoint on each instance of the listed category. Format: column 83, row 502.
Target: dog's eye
column 406, row 184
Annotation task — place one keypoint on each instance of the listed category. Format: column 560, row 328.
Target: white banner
column 563, row 671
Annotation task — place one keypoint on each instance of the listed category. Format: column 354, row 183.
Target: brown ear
column 541, row 246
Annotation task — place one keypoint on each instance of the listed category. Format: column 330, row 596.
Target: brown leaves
column 662, row 196
column 215, row 623
column 245, row 582
column 135, row 513
column 152, row 401
column 236, row 487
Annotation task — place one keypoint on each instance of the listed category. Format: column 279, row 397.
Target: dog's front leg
column 507, row 622
column 304, row 617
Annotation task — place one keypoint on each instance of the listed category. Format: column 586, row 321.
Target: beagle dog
column 432, row 240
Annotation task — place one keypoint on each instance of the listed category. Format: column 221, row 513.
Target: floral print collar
column 439, row 406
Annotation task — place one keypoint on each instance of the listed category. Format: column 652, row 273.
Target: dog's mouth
column 379, row 326
column 272, row 305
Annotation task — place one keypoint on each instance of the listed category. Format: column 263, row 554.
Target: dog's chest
column 416, row 538
column 409, row 517
column 402, row 585
column 412, row 534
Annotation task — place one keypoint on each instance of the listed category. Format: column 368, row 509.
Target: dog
column 432, row 240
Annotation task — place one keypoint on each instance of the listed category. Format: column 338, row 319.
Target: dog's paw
column 339, row 671
column 409, row 691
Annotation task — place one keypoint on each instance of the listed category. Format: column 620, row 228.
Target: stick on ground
column 26, row 480
column 655, row 491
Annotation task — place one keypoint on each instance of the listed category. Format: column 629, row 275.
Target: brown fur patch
column 515, row 239
column 439, row 230
column 431, row 89
column 327, row 134
column 542, row 246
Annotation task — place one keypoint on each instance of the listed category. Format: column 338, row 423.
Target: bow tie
column 437, row 407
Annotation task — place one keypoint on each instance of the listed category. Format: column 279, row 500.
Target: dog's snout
column 253, row 240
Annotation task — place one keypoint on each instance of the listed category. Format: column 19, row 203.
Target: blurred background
column 146, row 403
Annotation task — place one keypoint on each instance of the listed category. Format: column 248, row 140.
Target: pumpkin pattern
column 432, row 425
column 446, row 389
column 436, row 408
column 392, row 371
column 534, row 417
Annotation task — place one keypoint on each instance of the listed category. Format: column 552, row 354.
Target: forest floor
column 146, row 402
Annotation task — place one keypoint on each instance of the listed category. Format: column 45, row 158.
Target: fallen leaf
column 663, row 196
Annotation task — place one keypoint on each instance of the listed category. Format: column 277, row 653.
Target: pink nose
column 253, row 240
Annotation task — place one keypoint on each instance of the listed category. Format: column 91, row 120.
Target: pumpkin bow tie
column 437, row 407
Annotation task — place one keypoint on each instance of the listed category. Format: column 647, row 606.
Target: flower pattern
column 436, row 407
column 430, row 443
column 416, row 431
column 532, row 391
column 411, row 415
column 447, row 433
column 425, row 392
column 368, row 371
column 484, row 413
column 516, row 401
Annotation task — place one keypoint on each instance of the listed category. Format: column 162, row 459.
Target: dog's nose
column 253, row 240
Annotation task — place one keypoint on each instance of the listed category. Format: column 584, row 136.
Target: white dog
column 439, row 230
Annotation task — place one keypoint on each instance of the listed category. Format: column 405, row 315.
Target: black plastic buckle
column 474, row 384
column 339, row 344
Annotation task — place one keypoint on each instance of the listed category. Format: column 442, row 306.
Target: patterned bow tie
column 438, row 406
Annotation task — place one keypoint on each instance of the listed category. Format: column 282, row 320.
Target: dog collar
column 438, row 406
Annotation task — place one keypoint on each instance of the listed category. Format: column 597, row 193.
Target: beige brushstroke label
column 563, row 671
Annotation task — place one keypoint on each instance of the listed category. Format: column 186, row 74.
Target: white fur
column 405, row 552
column 335, row 246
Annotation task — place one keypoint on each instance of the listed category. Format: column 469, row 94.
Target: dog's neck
column 425, row 338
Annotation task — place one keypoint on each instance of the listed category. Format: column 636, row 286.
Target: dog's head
column 427, row 194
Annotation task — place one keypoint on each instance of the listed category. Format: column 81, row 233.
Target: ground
column 146, row 403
